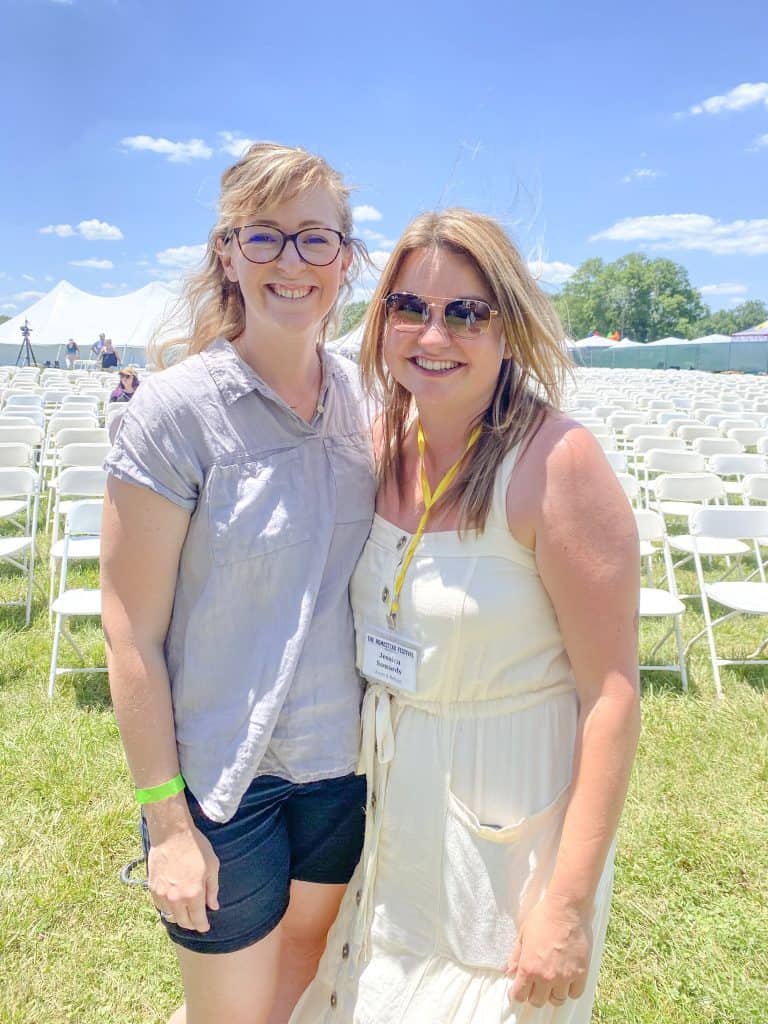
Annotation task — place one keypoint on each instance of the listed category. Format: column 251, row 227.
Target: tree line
column 641, row 298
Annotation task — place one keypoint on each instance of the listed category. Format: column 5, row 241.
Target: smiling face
column 437, row 367
column 288, row 295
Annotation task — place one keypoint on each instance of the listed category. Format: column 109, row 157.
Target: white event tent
column 67, row 312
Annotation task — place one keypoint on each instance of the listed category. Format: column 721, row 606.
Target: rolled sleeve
column 152, row 448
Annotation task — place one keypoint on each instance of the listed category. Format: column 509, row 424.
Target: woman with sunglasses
column 495, row 608
column 240, row 494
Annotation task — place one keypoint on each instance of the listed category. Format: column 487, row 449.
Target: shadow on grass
column 91, row 691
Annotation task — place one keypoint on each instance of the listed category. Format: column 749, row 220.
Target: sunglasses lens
column 406, row 312
column 467, row 317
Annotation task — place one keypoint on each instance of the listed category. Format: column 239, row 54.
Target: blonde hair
column 212, row 305
column 529, row 383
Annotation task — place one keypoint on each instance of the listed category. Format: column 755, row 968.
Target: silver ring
column 169, row 918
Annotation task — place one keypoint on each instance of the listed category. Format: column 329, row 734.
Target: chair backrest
column 629, row 484
column 748, row 436
column 755, row 487
column 688, row 432
column 650, row 525
column 54, row 396
column 36, row 401
column 84, row 517
column 30, row 413
column 737, row 465
column 689, row 487
column 634, row 430
column 729, row 521
column 646, row 442
column 717, row 446
column 622, row 419
column 15, row 453
column 661, row 460
column 81, row 435
column 84, row 454
column 616, row 460
column 27, row 433
column 58, row 421
column 18, row 482
column 81, row 482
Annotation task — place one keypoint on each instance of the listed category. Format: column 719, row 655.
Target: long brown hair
column 211, row 306
column 529, row 383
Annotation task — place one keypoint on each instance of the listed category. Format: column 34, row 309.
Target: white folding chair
column 74, row 483
column 83, row 520
column 717, row 446
column 663, row 460
column 19, row 493
column 28, row 413
column 656, row 602
column 616, row 460
column 15, row 454
column 740, row 598
column 750, row 437
column 734, row 468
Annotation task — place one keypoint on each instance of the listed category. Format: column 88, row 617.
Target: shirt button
column 345, row 951
column 334, row 1000
column 401, row 542
column 358, row 897
column 385, row 595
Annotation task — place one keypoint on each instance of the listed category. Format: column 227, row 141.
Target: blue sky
column 591, row 129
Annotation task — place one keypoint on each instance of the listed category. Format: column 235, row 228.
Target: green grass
column 688, row 936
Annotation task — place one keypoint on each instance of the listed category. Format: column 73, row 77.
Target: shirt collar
column 235, row 378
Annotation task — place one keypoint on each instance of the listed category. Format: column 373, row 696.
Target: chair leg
column 54, row 656
column 681, row 654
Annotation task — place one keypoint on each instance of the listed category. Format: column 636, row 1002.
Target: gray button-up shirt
column 260, row 647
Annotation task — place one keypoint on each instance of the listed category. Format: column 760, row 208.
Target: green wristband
column 152, row 794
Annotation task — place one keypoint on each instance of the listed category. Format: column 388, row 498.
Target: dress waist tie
column 377, row 748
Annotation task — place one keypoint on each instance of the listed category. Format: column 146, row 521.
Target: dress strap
column 497, row 517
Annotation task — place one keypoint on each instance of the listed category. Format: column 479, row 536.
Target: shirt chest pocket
column 257, row 507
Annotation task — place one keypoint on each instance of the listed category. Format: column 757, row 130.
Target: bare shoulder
column 562, row 476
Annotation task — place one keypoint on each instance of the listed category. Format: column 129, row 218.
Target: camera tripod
column 26, row 356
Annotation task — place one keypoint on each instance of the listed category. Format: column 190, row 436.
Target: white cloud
column 641, row 172
column 62, row 230
column 25, row 297
column 376, row 236
column 49, row 279
column 745, row 95
column 175, row 152
column 10, row 306
column 93, row 264
column 760, row 142
column 99, row 231
column 93, row 230
column 28, row 277
column 361, row 213
column 234, row 143
column 726, row 288
column 379, row 258
column 183, row 257
column 553, row 273
column 691, row 231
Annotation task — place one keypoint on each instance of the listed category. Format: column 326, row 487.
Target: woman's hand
column 550, row 958
column 183, row 876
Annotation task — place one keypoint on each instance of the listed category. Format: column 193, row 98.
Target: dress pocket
column 257, row 506
column 492, row 876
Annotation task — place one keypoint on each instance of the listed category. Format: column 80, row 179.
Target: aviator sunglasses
column 464, row 318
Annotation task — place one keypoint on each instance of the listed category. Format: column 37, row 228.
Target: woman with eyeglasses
column 240, row 493
column 496, row 610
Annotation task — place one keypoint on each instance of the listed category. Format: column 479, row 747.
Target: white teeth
column 432, row 364
column 290, row 293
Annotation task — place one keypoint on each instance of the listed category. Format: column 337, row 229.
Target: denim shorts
column 281, row 831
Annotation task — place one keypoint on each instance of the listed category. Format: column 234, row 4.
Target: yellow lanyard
column 430, row 500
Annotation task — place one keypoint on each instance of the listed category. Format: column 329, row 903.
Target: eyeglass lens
column 465, row 317
column 262, row 244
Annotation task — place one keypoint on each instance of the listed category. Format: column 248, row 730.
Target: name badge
column 391, row 659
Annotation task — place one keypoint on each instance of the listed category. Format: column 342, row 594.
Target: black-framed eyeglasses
column 263, row 243
column 464, row 318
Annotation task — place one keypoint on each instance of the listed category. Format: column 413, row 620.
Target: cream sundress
column 468, row 784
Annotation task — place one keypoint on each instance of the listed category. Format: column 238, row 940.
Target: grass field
column 688, row 940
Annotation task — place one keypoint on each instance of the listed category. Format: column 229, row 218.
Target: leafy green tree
column 729, row 321
column 3, row 319
column 642, row 298
column 352, row 315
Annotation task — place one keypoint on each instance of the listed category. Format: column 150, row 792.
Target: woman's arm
column 142, row 537
column 588, row 559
